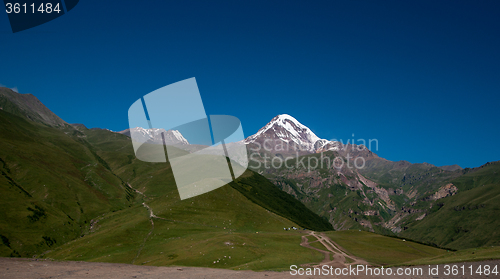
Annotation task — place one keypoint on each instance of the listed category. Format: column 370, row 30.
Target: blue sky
column 421, row 77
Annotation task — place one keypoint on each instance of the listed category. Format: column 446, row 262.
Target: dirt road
column 337, row 253
column 16, row 268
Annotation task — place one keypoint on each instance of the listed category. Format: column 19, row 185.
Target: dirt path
column 338, row 254
column 335, row 248
column 305, row 243
column 151, row 217
column 16, row 268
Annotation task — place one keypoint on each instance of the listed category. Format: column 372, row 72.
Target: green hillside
column 152, row 179
column 72, row 193
column 52, row 186
column 382, row 250
column 69, row 193
column 468, row 219
column 222, row 226
column 454, row 209
column 422, row 178
column 243, row 220
column 466, row 255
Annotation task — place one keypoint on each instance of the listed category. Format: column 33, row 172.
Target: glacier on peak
column 153, row 135
column 288, row 129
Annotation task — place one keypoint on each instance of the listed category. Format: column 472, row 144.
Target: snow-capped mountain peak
column 154, row 135
column 286, row 128
column 179, row 136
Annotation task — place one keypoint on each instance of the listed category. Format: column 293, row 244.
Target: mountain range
column 66, row 185
column 154, row 135
column 394, row 198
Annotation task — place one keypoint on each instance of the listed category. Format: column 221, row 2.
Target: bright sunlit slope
column 219, row 229
column 238, row 226
column 382, row 250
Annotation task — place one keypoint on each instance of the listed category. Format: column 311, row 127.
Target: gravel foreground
column 28, row 268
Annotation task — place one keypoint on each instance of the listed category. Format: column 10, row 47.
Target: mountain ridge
column 29, row 106
column 154, row 135
column 382, row 196
column 60, row 184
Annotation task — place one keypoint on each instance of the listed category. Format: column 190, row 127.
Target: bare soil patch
column 28, row 268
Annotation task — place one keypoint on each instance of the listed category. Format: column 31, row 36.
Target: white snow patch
column 288, row 129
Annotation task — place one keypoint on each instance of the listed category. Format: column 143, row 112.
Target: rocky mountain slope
column 463, row 213
column 27, row 105
column 451, row 167
column 285, row 129
column 381, row 196
column 328, row 177
column 285, row 135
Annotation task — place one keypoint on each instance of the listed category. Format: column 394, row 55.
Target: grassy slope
column 382, row 250
column 469, row 218
column 254, row 185
column 152, row 179
column 316, row 244
column 466, row 255
column 194, row 231
column 52, row 186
